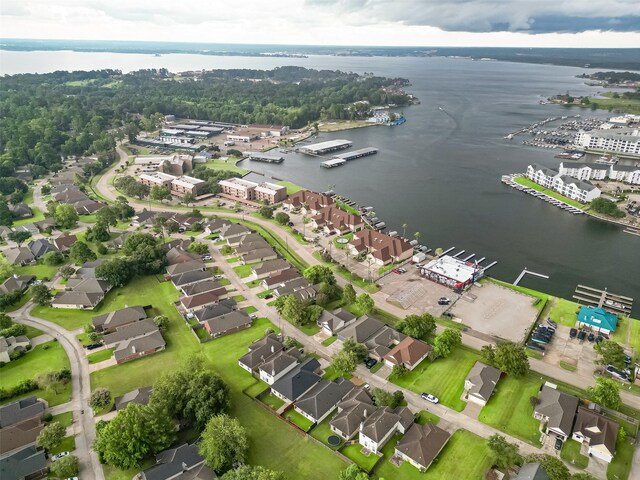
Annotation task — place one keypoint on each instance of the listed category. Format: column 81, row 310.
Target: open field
column 47, row 357
column 564, row 312
column 226, row 165
column 510, row 411
column 525, row 182
column 627, row 105
column 100, row 356
column 443, row 378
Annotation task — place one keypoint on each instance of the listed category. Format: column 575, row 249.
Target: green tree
column 282, row 218
column 100, row 398
column 159, row 193
column 348, row 294
column 188, row 198
column 505, row 454
column 383, row 398
column 353, row 472
column 117, row 272
column 51, row 436
column 5, row 321
column 319, row 274
column 555, row 468
column 81, row 253
column 19, row 236
column 6, row 217
column 66, row 216
column 133, row 434
column 65, row 467
column 162, row 322
column 67, row 272
column 248, row 472
column 41, row 294
column 344, row 363
column 365, row 303
column 6, row 269
column 511, row 358
column 199, row 247
column 293, row 310
column 223, row 443
column 207, row 395
column 358, row 349
column 444, row 343
column 606, row 393
column 610, row 353
column 488, row 354
column 399, row 371
column 422, row 327
column 107, row 216
column 53, row 258
column 266, row 212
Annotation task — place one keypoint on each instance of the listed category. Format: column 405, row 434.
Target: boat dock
column 509, row 180
column 525, row 272
column 325, row 147
column 362, row 152
column 611, row 302
column 334, row 162
column 265, row 157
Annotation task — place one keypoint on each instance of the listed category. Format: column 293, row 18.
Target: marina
column 362, row 152
column 509, row 180
column 334, row 162
column 265, row 157
column 611, row 302
column 326, row 147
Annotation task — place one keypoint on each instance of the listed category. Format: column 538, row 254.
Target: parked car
column 558, row 444
column 268, row 296
column 366, row 386
column 599, row 339
column 58, row 456
column 444, row 301
column 396, row 271
column 552, row 323
column 253, row 316
column 93, row 346
column 539, row 340
column 370, row 362
column 614, row 372
column 206, row 257
column 591, row 337
column 429, row 398
column 402, row 270
column 536, row 346
column 581, row 335
column 627, row 360
column 218, row 277
column 573, row 332
column 72, row 478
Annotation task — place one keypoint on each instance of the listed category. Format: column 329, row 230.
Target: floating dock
column 362, row 152
column 612, row 302
column 325, row 147
column 265, row 157
column 335, row 162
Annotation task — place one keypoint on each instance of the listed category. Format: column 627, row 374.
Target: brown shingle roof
column 408, row 352
column 423, row 443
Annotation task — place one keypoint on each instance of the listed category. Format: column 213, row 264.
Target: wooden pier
column 611, row 302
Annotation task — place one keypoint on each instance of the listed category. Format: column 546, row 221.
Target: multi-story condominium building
column 616, row 140
column 157, row 179
column 247, row 190
column 582, row 191
column 584, row 171
column 542, row 175
column 270, row 192
column 182, row 185
column 625, row 173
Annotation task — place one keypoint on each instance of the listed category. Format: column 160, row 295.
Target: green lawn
column 274, row 402
column 571, row 453
column 510, row 411
column 47, row 357
column 465, row 456
column 37, row 216
column 443, row 378
column 620, row 335
column 233, row 260
column 328, row 341
column 226, row 165
column 291, row 187
column 343, row 206
column 112, row 473
column 274, row 444
column 40, row 270
column 140, row 291
column 568, row 366
column 564, row 312
column 33, row 332
column 331, row 374
column 68, row 444
column 243, row 271
column 238, row 298
column 264, row 294
column 365, row 462
column 552, row 193
column 620, row 466
column 627, row 105
column 294, row 417
column 100, row 356
column 250, row 309
column 376, row 367
column 322, row 431
column 19, row 304
column 65, row 419
column 427, row 417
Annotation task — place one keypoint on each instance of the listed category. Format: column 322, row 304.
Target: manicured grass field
column 233, row 259
column 510, row 410
column 564, row 312
column 264, row 294
column 627, row 105
column 250, row 309
column 274, row 402
column 568, row 366
column 328, row 341
column 37, row 216
column 620, row 335
column 365, row 462
column 571, row 453
column 47, row 357
column 465, row 456
column 139, row 291
column 40, row 270
column 65, row 419
column 294, row 417
column 100, row 356
column 226, row 165
column 112, row 473
column 528, row 183
column 427, row 417
column 443, row 378
column 33, row 332
column 243, row 271
column 322, row 432
column 620, row 466
column 291, row 187
column 238, row 298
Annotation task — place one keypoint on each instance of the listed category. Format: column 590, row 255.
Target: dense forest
column 613, row 77
column 44, row 116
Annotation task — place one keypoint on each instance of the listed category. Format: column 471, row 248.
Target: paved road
column 89, row 466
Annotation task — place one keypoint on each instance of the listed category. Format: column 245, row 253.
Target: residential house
column 597, row 432
column 188, row 278
column 185, row 267
column 70, row 194
column 259, row 351
column 481, row 383
column 21, row 210
column 108, row 322
column 215, row 225
column 581, row 190
column 139, row 396
column 258, row 255
column 360, row 330
column 381, row 247
column 26, row 464
column 223, row 307
column 201, row 287
column 556, row 410
column 309, row 202
column 20, row 423
column 532, row 471
column 597, row 319
column 267, row 268
column 44, row 224
column 382, row 341
column 41, row 247
column 422, row 444
column 299, row 287
column 8, row 345
column 4, row 232
column 278, row 364
column 27, row 227
column 135, row 340
column 200, row 300
column 145, row 217
column 298, row 381
column 19, row 256
column 227, row 323
column 16, row 283
column 180, row 463
column 542, row 175
column 82, row 294
column 64, row 242
column 232, row 233
column 118, row 242
column 354, row 408
column 378, row 428
column 317, row 403
column 88, row 269
column 178, row 255
column 334, row 219
column 277, row 278
column 87, row 207
column 331, row 322
column 248, row 244
column 408, row 353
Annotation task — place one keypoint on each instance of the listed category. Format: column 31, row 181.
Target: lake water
column 440, row 172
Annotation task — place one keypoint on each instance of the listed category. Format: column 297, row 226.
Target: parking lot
column 571, row 351
column 496, row 311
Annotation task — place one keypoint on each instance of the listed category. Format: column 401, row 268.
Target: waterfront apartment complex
column 581, row 190
column 584, row 171
column 618, row 140
column 247, row 190
column 178, row 186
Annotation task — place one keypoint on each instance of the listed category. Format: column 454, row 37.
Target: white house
column 582, row 191
column 597, row 432
column 542, row 175
column 378, row 428
column 616, row 140
column 584, row 171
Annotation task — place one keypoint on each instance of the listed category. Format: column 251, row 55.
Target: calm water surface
column 440, row 172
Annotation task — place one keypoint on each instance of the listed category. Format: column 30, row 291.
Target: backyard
column 621, row 464
column 443, row 378
column 365, row 462
column 510, row 410
column 47, row 357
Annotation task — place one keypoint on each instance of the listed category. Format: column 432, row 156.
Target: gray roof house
column 215, row 225
column 212, row 311
column 251, row 244
column 258, row 255
column 19, row 256
column 300, row 287
column 16, row 283
column 180, row 463
column 108, row 322
column 259, row 351
column 88, row 269
column 278, row 278
column 298, row 381
column 598, row 432
column 28, row 463
column 20, row 423
column 185, row 267
column 41, row 247
column 481, row 383
column 81, row 293
column 331, row 322
column 140, row 396
column 21, row 210
column 378, row 428
column 382, row 341
column 64, row 242
column 135, row 340
column 360, row 330
column 8, row 345
column 178, row 254
column 422, row 444
column 201, row 287
column 128, row 331
column 278, row 364
column 233, row 232
column 352, row 411
column 188, row 278
column 557, row 410
column 267, row 268
column 531, row 471
column 227, row 323
column 322, row 398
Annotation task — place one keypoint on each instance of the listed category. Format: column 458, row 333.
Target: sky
column 507, row 23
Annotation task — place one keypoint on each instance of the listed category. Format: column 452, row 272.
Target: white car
column 58, row 456
column 429, row 398
column 218, row 277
